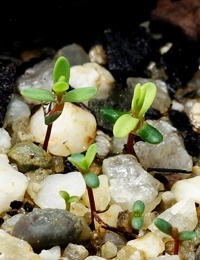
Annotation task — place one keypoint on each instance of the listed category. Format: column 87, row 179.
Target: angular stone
column 14, row 248
column 169, row 154
column 44, row 228
column 130, row 182
column 181, row 215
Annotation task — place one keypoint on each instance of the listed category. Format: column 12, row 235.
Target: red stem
column 176, row 246
column 92, row 203
column 130, row 142
column 47, row 137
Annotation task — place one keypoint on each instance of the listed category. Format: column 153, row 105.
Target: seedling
column 83, row 163
column 68, row 199
column 168, row 229
column 137, row 219
column 53, row 101
column 132, row 123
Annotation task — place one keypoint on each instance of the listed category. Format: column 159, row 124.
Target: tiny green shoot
column 68, row 199
column 132, row 123
column 83, row 164
column 168, row 229
column 53, row 101
column 138, row 210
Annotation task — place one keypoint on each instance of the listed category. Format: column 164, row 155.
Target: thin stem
column 47, row 137
column 130, row 142
column 176, row 246
column 92, row 203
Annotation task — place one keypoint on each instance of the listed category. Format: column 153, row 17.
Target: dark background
column 55, row 23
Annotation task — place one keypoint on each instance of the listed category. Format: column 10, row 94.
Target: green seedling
column 168, row 229
column 132, row 123
column 53, row 101
column 83, row 164
column 68, row 199
column 138, row 210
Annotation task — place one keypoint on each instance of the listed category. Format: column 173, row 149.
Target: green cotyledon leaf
column 38, row 94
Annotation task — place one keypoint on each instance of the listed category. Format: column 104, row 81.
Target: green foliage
column 167, row 228
column 138, row 210
column 133, row 121
column 163, row 226
column 68, row 199
column 83, row 163
column 59, row 93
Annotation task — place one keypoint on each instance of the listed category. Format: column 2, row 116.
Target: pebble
column 48, row 190
column 145, row 242
column 44, row 228
column 92, row 74
column 75, row 252
column 130, row 182
column 73, row 124
column 13, row 184
column 29, row 156
column 187, row 189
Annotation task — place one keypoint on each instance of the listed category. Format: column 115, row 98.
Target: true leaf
column 124, row 125
column 39, row 94
column 150, row 93
column 90, row 154
column 61, row 68
column 76, row 160
column 60, row 87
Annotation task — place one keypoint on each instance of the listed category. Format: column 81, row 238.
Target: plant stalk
column 130, row 142
column 92, row 203
column 47, row 137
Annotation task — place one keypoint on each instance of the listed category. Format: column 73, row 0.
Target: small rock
column 145, row 243
column 72, row 132
column 108, row 250
column 130, row 182
column 130, row 252
column 5, row 141
column 13, row 184
column 44, row 228
column 181, row 215
column 17, row 249
column 74, row 53
column 52, row 254
column 29, row 156
column 75, row 252
column 72, row 182
column 92, row 74
column 187, row 189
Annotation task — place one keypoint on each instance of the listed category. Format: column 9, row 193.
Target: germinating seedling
column 68, row 199
column 168, row 229
column 133, row 122
column 83, row 163
column 138, row 210
column 53, row 101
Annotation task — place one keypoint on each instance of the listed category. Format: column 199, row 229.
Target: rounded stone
column 44, row 228
column 29, row 156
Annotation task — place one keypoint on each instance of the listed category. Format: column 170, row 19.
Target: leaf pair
column 59, row 93
column 133, row 121
column 83, row 163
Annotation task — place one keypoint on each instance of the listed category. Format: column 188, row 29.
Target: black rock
column 45, row 228
column 7, row 79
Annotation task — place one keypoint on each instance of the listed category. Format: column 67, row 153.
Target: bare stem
column 47, row 137
column 176, row 246
column 92, row 203
column 130, row 142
